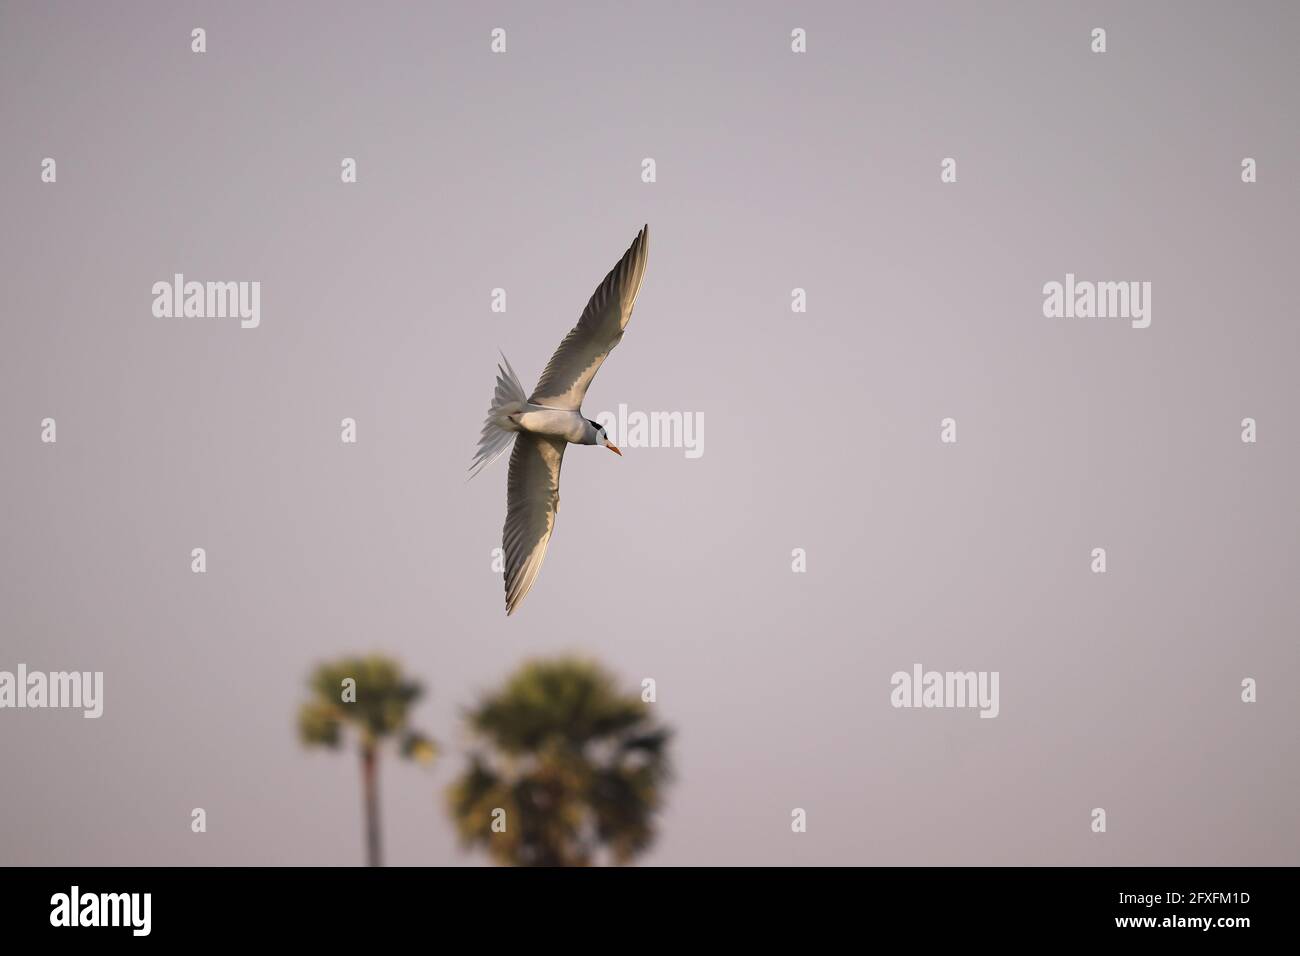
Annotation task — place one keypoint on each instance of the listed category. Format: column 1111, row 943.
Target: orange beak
column 614, row 448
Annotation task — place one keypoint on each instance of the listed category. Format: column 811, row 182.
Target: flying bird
column 544, row 423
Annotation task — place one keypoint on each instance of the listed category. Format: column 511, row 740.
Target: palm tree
column 370, row 695
column 566, row 766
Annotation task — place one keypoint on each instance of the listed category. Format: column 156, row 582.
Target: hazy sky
column 775, row 171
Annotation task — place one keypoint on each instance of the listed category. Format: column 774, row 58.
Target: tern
column 543, row 424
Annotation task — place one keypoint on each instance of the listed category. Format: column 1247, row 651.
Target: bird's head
column 598, row 436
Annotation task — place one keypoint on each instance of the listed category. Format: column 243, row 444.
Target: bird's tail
column 499, row 430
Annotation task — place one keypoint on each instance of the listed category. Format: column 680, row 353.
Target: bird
column 542, row 425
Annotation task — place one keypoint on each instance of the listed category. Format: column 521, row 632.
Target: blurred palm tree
column 576, row 766
column 370, row 695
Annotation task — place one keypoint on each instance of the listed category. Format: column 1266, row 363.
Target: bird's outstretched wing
column 599, row 329
column 532, row 499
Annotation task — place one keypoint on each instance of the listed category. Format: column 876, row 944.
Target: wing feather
column 600, row 327
column 532, row 500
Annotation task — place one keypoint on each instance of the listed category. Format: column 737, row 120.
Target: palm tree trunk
column 370, row 784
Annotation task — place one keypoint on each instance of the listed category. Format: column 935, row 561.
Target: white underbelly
column 556, row 422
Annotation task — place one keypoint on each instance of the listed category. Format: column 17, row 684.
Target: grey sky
column 775, row 171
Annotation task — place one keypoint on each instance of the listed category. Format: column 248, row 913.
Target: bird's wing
column 532, row 499
column 599, row 329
